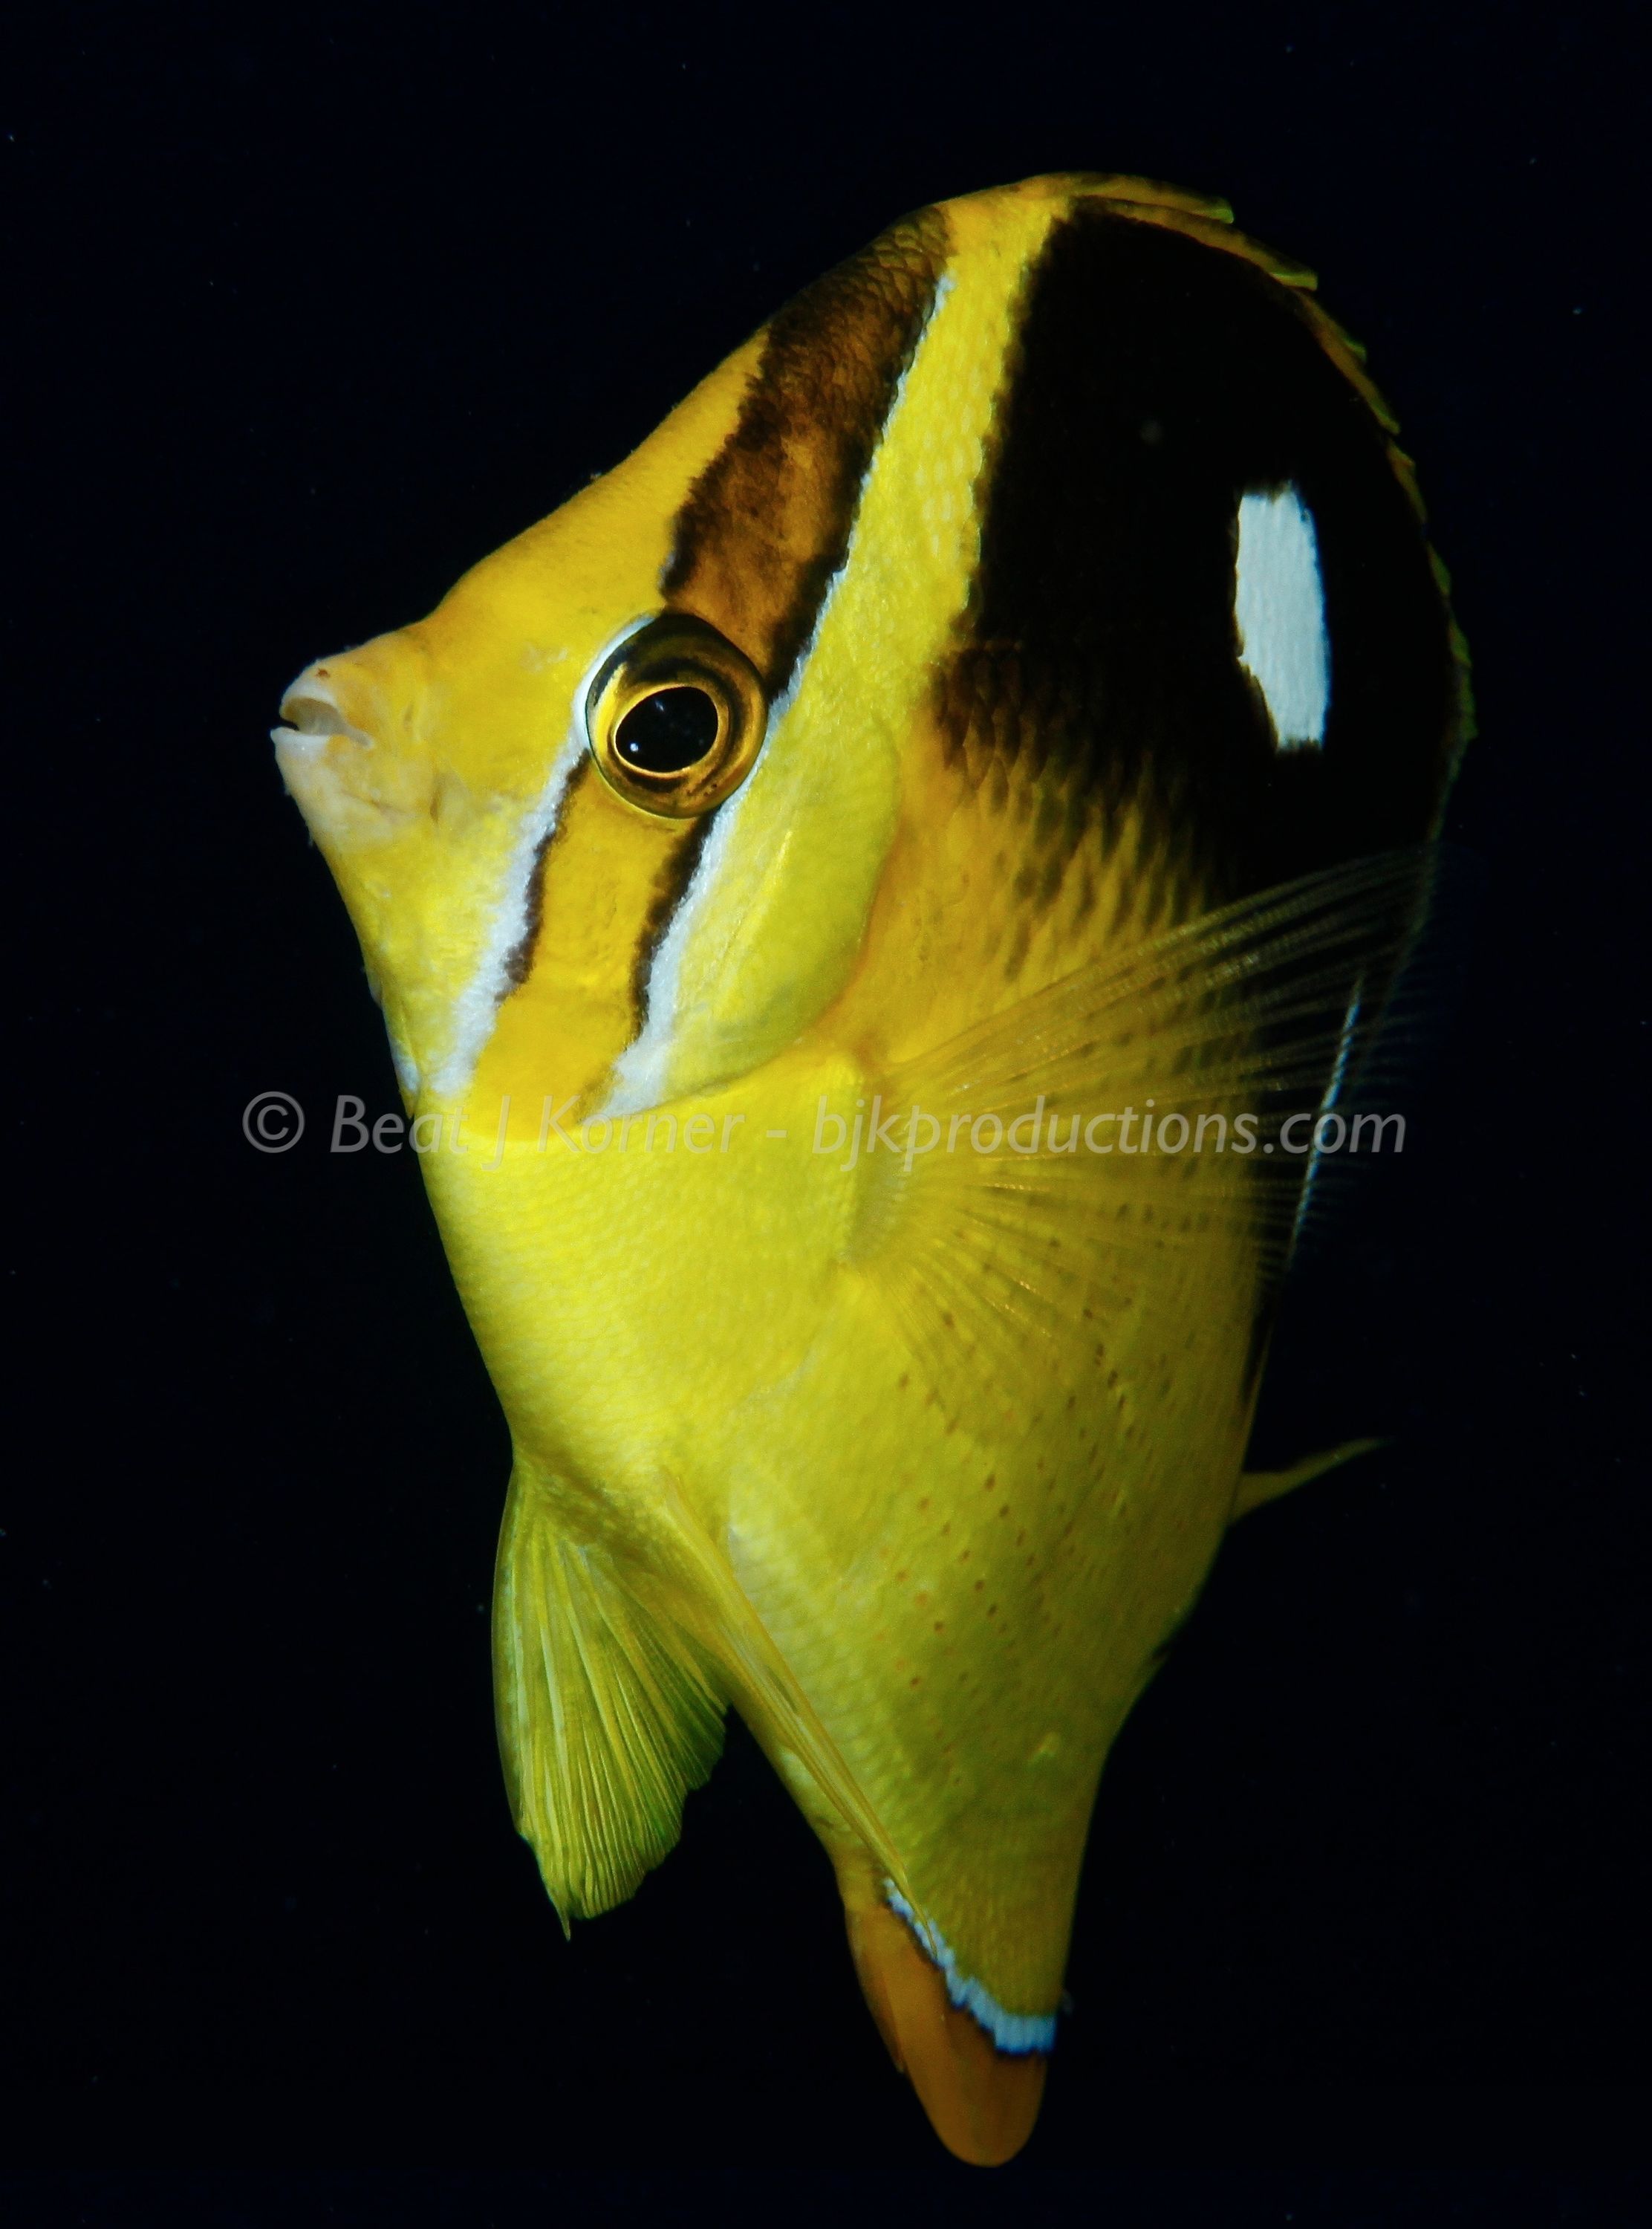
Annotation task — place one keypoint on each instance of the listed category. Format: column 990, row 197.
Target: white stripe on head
column 1279, row 603
column 641, row 1071
column 476, row 1008
column 642, row 1074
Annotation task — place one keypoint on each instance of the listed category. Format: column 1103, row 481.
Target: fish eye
column 669, row 731
column 675, row 716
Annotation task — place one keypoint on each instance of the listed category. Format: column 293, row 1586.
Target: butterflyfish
column 843, row 890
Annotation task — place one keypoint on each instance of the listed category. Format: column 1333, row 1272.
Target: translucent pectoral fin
column 1084, row 1146
column 607, row 1715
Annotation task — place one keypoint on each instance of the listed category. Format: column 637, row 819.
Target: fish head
column 617, row 811
column 434, row 764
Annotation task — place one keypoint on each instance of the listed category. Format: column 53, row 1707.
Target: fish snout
column 312, row 711
column 345, row 755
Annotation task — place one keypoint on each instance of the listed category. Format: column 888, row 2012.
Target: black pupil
column 668, row 731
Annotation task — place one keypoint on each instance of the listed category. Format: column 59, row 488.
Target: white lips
column 313, row 714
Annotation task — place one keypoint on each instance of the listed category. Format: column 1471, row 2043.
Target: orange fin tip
column 981, row 2098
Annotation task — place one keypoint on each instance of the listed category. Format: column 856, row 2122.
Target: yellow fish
column 858, row 898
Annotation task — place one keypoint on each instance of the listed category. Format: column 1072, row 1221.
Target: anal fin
column 982, row 2101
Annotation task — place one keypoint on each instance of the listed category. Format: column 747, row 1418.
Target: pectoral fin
column 607, row 1715
column 1229, row 1026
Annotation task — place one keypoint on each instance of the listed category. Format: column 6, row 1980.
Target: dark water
column 306, row 316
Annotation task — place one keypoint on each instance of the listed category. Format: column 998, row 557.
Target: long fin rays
column 1284, row 960
column 610, row 1688
column 730, row 1629
column 1385, row 1054
column 1027, row 1206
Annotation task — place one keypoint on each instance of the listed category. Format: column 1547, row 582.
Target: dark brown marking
column 670, row 887
column 519, row 962
column 768, row 521
column 1155, row 378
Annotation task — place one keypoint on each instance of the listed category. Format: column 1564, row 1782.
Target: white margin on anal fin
column 1015, row 2033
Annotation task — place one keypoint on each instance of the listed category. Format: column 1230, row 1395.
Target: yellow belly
column 968, row 1569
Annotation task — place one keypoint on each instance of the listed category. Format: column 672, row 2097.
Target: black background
column 306, row 314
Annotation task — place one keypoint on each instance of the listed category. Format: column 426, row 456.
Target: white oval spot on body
column 1279, row 604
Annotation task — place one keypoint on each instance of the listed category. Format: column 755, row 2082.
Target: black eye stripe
column 767, row 524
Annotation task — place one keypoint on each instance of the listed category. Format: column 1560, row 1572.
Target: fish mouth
column 349, row 786
column 313, row 714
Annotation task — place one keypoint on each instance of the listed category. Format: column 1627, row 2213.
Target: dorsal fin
column 1257, row 1486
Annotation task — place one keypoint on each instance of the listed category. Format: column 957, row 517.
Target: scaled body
column 1013, row 689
